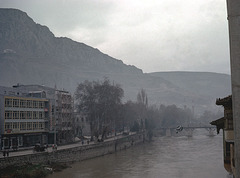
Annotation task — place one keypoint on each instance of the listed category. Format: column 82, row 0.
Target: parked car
column 38, row 147
column 125, row 133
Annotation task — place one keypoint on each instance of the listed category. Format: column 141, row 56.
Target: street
column 29, row 150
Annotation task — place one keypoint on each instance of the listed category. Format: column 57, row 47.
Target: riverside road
column 29, row 150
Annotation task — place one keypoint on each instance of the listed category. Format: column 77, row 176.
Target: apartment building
column 64, row 117
column 24, row 118
column 61, row 122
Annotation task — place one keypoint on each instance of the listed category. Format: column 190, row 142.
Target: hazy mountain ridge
column 34, row 42
column 199, row 82
column 31, row 54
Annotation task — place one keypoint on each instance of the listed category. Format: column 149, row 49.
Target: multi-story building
column 24, row 117
column 226, row 124
column 64, row 117
column 61, row 122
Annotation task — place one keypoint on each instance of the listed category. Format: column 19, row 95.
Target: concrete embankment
column 75, row 154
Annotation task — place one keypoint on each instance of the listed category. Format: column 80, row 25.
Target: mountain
column 31, row 54
column 200, row 83
column 205, row 86
column 25, row 44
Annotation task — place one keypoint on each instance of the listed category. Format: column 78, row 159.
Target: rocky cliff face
column 22, row 37
column 31, row 54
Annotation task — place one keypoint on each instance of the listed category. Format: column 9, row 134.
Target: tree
column 142, row 101
column 130, row 116
column 142, row 98
column 172, row 116
column 86, row 102
column 153, row 119
column 135, row 113
column 100, row 102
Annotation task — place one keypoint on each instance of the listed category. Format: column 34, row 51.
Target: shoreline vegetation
column 32, row 170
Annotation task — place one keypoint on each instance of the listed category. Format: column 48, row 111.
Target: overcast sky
column 154, row 35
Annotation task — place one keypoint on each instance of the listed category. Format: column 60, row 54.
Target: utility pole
column 233, row 10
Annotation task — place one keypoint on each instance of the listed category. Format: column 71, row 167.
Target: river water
column 200, row 156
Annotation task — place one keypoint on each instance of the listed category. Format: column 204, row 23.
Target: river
column 199, row 156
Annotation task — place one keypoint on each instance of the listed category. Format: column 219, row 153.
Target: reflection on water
column 199, row 156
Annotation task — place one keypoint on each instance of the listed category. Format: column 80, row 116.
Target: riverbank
column 32, row 170
column 199, row 156
column 71, row 153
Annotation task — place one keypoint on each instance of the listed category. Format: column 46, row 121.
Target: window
column 29, row 103
column 35, row 104
column 15, row 125
column 20, row 141
column 41, row 125
column 23, row 126
column 29, row 115
column 23, row 104
column 8, row 102
column 29, row 126
column 8, row 115
column 16, row 103
column 35, row 115
column 41, row 115
column 8, row 126
column 15, row 114
column 41, row 104
column 22, row 114
column 35, row 126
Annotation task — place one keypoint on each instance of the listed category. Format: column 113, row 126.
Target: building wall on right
column 233, row 9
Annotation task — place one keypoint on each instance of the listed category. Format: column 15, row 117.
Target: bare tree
column 100, row 102
column 142, row 101
column 142, row 98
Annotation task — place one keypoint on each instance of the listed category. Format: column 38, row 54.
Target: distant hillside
column 31, row 54
column 200, row 83
column 25, row 44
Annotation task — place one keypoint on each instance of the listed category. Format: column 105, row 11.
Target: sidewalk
column 29, row 150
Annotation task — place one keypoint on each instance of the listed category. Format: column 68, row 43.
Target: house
column 226, row 124
column 82, row 125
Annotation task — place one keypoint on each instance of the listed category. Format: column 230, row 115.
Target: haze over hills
column 200, row 83
column 31, row 54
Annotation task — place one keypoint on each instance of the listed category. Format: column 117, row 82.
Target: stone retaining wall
column 76, row 153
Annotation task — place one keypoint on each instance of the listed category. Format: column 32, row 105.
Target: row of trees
column 101, row 103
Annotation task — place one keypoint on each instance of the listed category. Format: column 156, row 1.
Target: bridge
column 185, row 130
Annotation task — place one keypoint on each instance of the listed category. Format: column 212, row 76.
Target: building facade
column 64, row 117
column 82, row 126
column 24, row 118
column 61, row 121
column 226, row 124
